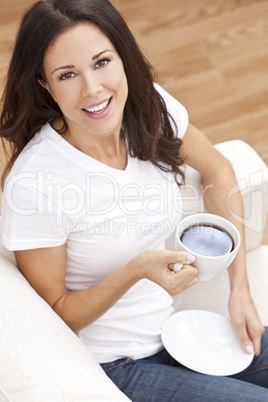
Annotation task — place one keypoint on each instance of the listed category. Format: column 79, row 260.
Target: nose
column 91, row 85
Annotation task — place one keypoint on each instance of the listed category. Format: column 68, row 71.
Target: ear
column 41, row 82
column 46, row 86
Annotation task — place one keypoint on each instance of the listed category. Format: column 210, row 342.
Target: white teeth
column 98, row 108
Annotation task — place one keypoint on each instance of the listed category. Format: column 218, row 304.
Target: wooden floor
column 212, row 55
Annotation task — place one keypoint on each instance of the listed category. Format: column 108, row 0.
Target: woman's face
column 86, row 78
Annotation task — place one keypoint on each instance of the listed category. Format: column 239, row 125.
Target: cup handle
column 177, row 267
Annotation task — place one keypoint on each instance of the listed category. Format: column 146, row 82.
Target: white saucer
column 205, row 342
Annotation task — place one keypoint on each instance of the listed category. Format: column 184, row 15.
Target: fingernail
column 190, row 258
column 249, row 349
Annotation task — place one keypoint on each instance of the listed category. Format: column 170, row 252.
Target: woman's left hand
column 246, row 320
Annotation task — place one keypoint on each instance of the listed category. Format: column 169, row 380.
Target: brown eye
column 66, row 76
column 102, row 63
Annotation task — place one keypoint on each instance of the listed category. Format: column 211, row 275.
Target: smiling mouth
column 98, row 109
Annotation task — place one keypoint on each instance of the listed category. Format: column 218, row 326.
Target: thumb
column 246, row 343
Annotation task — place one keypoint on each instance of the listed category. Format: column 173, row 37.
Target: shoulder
column 27, row 176
column 37, row 154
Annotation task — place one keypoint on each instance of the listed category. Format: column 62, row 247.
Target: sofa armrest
column 252, row 177
column 41, row 358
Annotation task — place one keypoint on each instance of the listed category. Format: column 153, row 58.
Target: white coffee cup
column 208, row 266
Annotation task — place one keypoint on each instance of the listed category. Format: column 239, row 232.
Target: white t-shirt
column 56, row 194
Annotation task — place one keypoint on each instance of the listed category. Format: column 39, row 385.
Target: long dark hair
column 27, row 106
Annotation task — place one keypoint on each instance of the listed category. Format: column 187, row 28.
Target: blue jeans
column 160, row 378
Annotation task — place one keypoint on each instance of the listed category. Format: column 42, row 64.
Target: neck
column 110, row 150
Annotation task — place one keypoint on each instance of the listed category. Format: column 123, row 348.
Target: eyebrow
column 99, row 54
column 62, row 68
column 72, row 66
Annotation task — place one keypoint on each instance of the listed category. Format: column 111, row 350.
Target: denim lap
column 160, row 378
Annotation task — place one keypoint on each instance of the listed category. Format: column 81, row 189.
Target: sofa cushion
column 41, row 358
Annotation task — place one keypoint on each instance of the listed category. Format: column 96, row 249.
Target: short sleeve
column 176, row 110
column 30, row 219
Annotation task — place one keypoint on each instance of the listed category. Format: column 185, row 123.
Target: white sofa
column 252, row 177
column 42, row 360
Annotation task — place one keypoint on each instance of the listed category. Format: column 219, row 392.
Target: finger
column 193, row 281
column 188, row 273
column 182, row 258
column 245, row 340
column 190, row 270
column 190, row 282
column 257, row 346
column 177, row 267
column 256, row 340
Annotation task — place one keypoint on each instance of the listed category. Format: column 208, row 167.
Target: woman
column 91, row 197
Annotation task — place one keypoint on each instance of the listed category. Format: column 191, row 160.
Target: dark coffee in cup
column 208, row 240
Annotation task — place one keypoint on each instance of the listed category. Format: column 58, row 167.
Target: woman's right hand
column 158, row 266
column 45, row 269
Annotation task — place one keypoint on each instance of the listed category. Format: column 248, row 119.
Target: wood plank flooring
column 212, row 55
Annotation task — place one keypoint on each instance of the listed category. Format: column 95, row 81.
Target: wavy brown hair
column 27, row 106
